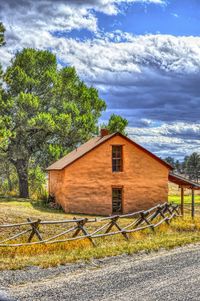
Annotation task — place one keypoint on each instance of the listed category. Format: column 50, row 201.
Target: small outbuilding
column 184, row 184
column 109, row 174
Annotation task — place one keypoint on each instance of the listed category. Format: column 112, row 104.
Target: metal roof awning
column 183, row 182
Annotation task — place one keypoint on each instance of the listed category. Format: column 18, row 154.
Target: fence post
column 182, row 201
column 35, row 230
column 192, row 203
column 113, row 223
column 81, row 228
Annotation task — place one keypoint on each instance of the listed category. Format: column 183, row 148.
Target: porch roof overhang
column 183, row 182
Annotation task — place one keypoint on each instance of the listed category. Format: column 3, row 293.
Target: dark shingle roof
column 179, row 180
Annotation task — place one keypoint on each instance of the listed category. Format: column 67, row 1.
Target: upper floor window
column 117, row 160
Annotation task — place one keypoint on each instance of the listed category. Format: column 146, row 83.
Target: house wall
column 86, row 185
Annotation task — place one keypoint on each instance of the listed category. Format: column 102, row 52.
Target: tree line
column 45, row 112
column 189, row 167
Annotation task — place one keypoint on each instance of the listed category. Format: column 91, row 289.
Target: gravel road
column 172, row 275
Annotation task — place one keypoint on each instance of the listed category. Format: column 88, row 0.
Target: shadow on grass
column 36, row 204
column 42, row 206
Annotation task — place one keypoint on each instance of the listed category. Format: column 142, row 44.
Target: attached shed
column 184, row 183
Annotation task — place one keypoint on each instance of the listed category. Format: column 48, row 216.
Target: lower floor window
column 117, row 200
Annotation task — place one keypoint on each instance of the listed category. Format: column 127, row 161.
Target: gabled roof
column 79, row 152
column 92, row 144
column 181, row 181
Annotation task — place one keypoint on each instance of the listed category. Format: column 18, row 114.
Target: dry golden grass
column 180, row 232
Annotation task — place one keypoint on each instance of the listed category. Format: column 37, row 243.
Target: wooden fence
column 32, row 232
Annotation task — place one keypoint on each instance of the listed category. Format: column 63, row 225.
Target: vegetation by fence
column 33, row 232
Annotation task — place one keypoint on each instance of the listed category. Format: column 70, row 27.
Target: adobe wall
column 86, row 185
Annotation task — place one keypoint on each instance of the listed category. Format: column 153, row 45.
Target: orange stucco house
column 109, row 174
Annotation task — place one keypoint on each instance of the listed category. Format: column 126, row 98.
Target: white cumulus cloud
column 177, row 139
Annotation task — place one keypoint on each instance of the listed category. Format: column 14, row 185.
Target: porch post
column 182, row 201
column 192, row 203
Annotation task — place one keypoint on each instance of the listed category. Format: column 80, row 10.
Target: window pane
column 117, row 200
column 117, row 163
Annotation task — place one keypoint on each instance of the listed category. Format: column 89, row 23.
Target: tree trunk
column 22, row 172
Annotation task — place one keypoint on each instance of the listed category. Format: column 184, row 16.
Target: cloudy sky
column 142, row 55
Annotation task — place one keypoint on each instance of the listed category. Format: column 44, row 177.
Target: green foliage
column 184, row 163
column 176, row 164
column 170, row 160
column 37, row 183
column 2, row 42
column 8, row 177
column 9, row 180
column 2, row 32
column 193, row 166
column 45, row 112
column 189, row 167
column 116, row 123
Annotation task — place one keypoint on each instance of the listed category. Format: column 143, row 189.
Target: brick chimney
column 104, row 132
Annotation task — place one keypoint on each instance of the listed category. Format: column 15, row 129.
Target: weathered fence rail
column 31, row 232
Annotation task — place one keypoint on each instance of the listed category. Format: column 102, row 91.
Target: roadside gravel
column 165, row 275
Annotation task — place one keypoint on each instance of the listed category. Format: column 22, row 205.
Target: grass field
column 180, row 232
column 187, row 199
